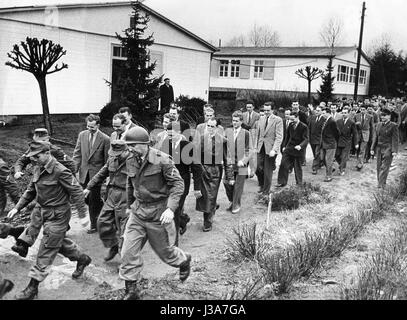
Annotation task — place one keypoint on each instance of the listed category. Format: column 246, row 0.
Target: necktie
column 119, row 136
column 91, row 140
column 250, row 116
column 363, row 119
column 267, row 121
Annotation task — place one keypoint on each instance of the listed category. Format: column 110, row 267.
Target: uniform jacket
column 166, row 95
column 347, row 132
column 296, row 136
column 272, row 136
column 114, row 169
column 153, row 186
column 90, row 161
column 315, row 129
column 54, row 186
column 365, row 127
column 56, row 152
column 386, row 136
column 330, row 134
column 254, row 117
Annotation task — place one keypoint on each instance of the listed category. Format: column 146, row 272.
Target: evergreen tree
column 137, row 89
column 327, row 86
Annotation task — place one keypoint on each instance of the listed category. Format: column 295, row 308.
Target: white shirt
column 236, row 132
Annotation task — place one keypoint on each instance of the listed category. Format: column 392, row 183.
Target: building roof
column 109, row 4
column 289, row 52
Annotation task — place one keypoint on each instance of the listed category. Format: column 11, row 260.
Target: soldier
column 154, row 188
column 53, row 187
column 386, row 142
column 113, row 217
column 7, row 185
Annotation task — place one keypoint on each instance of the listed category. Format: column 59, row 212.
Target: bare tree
column 309, row 74
column 237, row 41
column 332, row 32
column 38, row 57
column 264, row 36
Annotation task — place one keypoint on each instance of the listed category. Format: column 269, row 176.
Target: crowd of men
column 148, row 175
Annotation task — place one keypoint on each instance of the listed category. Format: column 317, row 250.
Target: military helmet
column 137, row 135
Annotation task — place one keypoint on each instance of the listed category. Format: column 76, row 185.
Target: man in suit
column 129, row 118
column 296, row 140
column 201, row 128
column 365, row 127
column 166, row 95
column 184, row 127
column 204, row 108
column 329, row 141
column 386, row 142
column 286, row 123
column 270, row 137
column 240, row 152
column 119, row 127
column 295, row 107
column 314, row 133
column 334, row 112
column 160, row 137
column 347, row 134
column 250, row 116
column 90, row 155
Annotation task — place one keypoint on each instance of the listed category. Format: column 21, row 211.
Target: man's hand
column 197, row 194
column 231, row 182
column 86, row 192
column 167, row 216
column 240, row 164
column 372, row 152
column 12, row 213
column 356, row 146
column 18, row 175
column 297, row 147
column 272, row 153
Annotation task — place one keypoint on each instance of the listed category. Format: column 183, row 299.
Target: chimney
column 220, row 43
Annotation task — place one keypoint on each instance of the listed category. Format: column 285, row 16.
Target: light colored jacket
column 272, row 136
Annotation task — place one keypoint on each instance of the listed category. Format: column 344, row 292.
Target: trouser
column 55, row 223
column 303, row 155
column 342, row 156
column 287, row 162
column 265, row 167
column 384, row 160
column 94, row 202
column 137, row 232
column 112, row 219
column 316, row 151
column 179, row 220
column 31, row 233
column 10, row 187
column 328, row 156
column 234, row 193
column 361, row 153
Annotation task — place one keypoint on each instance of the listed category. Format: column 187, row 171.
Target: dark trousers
column 316, row 151
column 234, row 193
column 179, row 219
column 342, row 156
column 265, row 167
column 94, row 202
column 287, row 162
column 9, row 187
column 384, row 160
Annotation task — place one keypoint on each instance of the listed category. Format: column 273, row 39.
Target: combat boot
column 5, row 287
column 30, row 292
column 21, row 247
column 132, row 292
column 16, row 231
column 112, row 253
column 83, row 261
column 185, row 268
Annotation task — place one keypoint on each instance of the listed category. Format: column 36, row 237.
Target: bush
column 107, row 113
column 192, row 108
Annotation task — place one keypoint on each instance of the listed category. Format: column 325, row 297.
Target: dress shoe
column 235, row 211
column 230, row 207
column 328, row 179
column 83, row 262
column 280, row 185
column 30, row 292
column 112, row 253
column 92, row 230
column 21, row 247
column 185, row 268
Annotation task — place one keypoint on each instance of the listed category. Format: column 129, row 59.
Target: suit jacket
column 239, row 149
column 254, row 117
column 272, row 136
column 329, row 134
column 296, row 136
column 347, row 132
column 315, row 129
column 386, row 136
column 365, row 127
column 337, row 116
column 113, row 136
column 90, row 161
column 166, row 95
column 201, row 129
column 303, row 116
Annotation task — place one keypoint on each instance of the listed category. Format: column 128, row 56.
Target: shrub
column 107, row 113
column 192, row 108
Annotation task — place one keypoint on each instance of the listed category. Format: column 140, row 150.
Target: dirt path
column 212, row 275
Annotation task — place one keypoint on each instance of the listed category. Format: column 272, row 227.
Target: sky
column 298, row 22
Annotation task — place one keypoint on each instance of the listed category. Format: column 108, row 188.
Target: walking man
column 315, row 129
column 250, row 116
column 329, row 142
column 386, row 142
column 90, row 155
column 154, row 188
column 365, row 127
column 53, row 188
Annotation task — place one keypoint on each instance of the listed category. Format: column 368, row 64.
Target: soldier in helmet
column 154, row 189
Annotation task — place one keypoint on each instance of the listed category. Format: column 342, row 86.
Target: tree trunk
column 44, row 101
column 309, row 91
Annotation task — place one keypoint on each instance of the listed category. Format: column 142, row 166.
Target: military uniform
column 7, row 185
column 53, row 187
column 154, row 184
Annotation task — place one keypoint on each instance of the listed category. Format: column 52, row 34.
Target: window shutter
column 157, row 57
column 215, row 64
column 268, row 73
column 245, row 69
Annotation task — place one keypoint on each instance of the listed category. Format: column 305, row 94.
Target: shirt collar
column 49, row 167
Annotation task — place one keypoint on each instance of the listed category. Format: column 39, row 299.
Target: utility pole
column 355, row 93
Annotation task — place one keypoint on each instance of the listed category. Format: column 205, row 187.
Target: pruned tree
column 310, row 74
column 38, row 57
column 332, row 32
column 237, row 41
column 263, row 36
